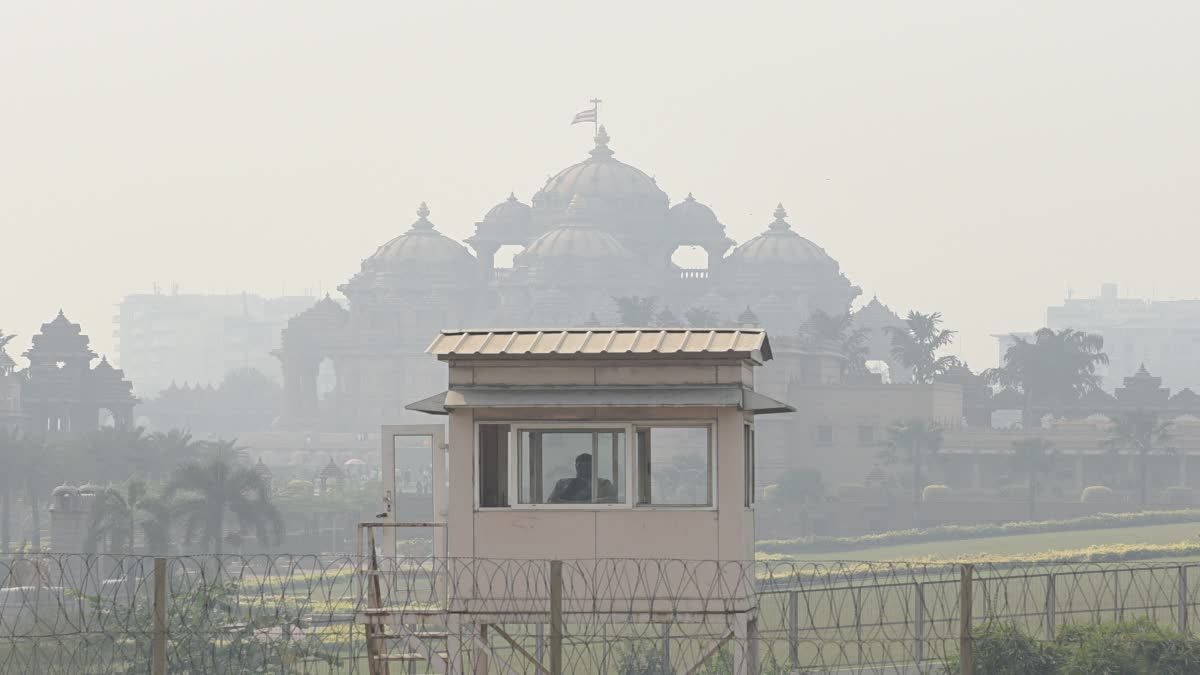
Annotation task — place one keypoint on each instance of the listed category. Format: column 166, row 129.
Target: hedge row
column 1139, row 647
column 1100, row 521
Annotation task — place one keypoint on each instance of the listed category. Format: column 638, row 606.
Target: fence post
column 539, row 644
column 919, row 628
column 158, row 645
column 1118, row 613
column 556, row 626
column 966, row 646
column 1183, row 599
column 1051, row 602
column 793, row 628
column 666, row 647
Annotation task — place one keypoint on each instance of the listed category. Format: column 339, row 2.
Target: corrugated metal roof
column 483, row 396
column 602, row 342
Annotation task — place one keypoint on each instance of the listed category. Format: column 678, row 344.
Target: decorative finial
column 780, row 223
column 422, row 218
column 512, row 196
column 689, row 198
column 602, row 139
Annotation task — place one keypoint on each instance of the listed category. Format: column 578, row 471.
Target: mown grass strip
column 1100, row 521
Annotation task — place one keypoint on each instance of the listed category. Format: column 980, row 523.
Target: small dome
column 421, row 246
column 780, row 245
column 510, row 212
column 64, row 490
column 576, row 240
column 690, row 214
column 90, row 489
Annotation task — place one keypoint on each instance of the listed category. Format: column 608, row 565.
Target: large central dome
column 617, row 192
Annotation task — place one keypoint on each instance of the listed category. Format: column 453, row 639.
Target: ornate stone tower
column 62, row 393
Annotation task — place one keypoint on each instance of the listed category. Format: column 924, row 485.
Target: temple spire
column 779, row 224
column 422, row 218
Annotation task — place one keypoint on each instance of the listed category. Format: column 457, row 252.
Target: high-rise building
column 164, row 338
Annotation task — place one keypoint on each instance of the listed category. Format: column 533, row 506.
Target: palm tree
column 113, row 454
column 635, row 310
column 206, row 492
column 118, row 516
column 699, row 317
column 916, row 345
column 1057, row 367
column 909, row 440
column 40, row 466
column 823, row 328
column 1144, row 433
column 1032, row 457
column 173, row 448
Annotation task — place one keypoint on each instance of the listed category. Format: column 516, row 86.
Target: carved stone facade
column 61, row 393
column 596, row 230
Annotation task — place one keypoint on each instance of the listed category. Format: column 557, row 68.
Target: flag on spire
column 588, row 115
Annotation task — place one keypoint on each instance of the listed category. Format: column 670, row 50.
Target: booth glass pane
column 571, row 466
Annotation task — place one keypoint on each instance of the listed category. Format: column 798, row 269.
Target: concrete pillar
column 976, row 471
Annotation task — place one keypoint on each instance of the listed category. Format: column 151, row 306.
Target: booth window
column 571, row 466
column 674, row 466
column 493, row 465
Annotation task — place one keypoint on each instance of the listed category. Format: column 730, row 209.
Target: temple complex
column 596, row 230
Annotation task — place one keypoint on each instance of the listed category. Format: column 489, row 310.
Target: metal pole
column 794, row 630
column 966, row 646
column 919, row 619
column 158, row 645
column 556, row 626
column 539, row 644
column 1116, row 584
column 666, row 647
column 1051, row 602
column 1183, row 599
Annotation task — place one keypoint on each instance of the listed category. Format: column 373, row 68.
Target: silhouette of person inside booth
column 578, row 490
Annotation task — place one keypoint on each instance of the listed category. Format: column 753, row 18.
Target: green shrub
column 1138, row 647
column 935, row 493
column 1006, row 650
column 1093, row 494
column 1100, row 521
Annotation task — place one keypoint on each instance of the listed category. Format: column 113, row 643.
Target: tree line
column 165, row 488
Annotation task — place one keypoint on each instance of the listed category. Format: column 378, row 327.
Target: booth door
column 414, row 486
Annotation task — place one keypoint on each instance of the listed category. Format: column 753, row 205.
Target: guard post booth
column 626, row 453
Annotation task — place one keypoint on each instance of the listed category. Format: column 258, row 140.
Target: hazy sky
column 968, row 157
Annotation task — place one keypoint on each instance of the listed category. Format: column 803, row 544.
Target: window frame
column 711, row 426
column 629, row 427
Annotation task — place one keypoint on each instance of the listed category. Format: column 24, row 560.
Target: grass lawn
column 1019, row 544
